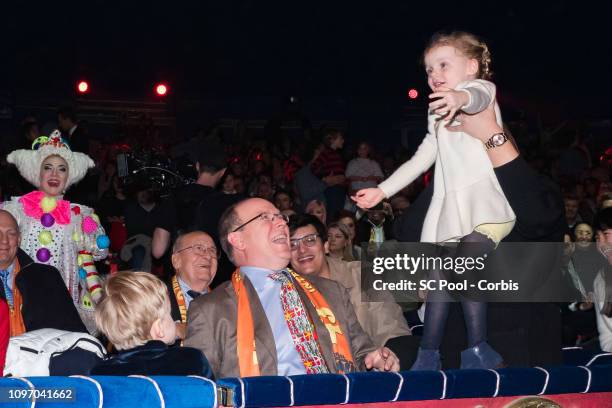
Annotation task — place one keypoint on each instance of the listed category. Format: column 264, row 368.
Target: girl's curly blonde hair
column 470, row 45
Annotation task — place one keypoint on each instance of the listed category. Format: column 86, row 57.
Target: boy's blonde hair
column 131, row 303
column 470, row 45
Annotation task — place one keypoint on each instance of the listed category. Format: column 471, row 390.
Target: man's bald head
column 9, row 239
column 7, row 218
column 255, row 233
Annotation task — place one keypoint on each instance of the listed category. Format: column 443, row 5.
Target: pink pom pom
column 89, row 225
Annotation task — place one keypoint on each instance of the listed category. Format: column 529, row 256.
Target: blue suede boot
column 427, row 360
column 481, row 356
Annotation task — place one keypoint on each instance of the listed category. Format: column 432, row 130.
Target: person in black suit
column 75, row 134
column 525, row 334
column 34, row 291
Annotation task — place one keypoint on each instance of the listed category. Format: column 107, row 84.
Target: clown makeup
column 53, row 175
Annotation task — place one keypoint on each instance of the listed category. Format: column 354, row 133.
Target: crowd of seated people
column 208, row 261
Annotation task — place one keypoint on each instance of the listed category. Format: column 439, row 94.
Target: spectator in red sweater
column 4, row 333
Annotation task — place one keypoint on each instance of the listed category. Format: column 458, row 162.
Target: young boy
column 134, row 314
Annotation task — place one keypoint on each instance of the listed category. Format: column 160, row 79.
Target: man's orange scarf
column 180, row 299
column 16, row 319
column 247, row 354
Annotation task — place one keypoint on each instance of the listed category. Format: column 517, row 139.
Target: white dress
column 67, row 241
column 466, row 191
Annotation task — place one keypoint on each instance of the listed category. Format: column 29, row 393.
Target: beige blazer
column 211, row 327
column 382, row 320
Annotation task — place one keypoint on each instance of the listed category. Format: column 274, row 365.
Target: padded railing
column 414, row 386
column 591, row 374
column 112, row 392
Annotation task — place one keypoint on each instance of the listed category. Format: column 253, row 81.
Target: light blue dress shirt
column 268, row 290
column 185, row 288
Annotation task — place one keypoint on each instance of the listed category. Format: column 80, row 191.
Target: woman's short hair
column 131, row 303
column 341, row 227
column 314, row 204
column 348, row 251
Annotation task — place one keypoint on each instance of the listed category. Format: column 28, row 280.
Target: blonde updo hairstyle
column 469, row 45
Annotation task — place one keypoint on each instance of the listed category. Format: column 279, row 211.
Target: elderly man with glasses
column 194, row 258
column 271, row 321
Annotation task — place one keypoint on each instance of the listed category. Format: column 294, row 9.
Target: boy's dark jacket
column 155, row 358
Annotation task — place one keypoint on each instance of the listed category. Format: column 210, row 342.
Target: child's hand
column 449, row 103
column 368, row 197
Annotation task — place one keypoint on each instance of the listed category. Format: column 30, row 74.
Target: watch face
column 498, row 139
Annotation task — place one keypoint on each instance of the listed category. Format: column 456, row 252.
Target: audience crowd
column 182, row 282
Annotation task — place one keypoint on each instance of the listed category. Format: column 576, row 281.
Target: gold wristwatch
column 496, row 140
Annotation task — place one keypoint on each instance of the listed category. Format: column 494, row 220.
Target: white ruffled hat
column 28, row 162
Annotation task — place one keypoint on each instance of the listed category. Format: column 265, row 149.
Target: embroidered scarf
column 180, row 299
column 245, row 332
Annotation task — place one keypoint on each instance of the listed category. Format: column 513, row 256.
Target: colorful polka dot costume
column 59, row 233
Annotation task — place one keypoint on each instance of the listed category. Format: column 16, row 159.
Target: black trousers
column 525, row 334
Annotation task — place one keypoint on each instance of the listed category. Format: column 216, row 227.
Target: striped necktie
column 4, row 277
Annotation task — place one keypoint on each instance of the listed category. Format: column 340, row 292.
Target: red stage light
column 161, row 89
column 83, row 87
column 413, row 93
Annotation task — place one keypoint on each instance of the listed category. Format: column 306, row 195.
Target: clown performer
column 54, row 231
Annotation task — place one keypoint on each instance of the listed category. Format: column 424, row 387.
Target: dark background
column 343, row 60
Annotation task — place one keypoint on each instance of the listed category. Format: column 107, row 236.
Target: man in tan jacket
column 384, row 321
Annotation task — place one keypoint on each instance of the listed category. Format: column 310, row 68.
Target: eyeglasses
column 309, row 240
column 202, row 250
column 268, row 217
